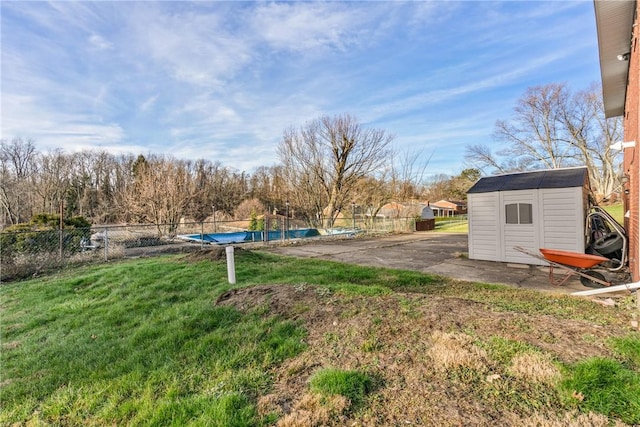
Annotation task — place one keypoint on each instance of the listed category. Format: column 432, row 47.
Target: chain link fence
column 25, row 254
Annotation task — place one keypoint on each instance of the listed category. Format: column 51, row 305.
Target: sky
column 222, row 81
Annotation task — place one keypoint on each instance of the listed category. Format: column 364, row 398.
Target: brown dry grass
column 567, row 419
column 309, row 410
column 10, row 345
column 450, row 350
column 425, row 351
column 313, row 410
column 535, row 367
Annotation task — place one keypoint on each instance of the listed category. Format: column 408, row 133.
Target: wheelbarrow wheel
column 592, row 283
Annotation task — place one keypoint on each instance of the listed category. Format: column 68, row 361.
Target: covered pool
column 249, row 236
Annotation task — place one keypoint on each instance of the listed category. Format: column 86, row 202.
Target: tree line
column 107, row 188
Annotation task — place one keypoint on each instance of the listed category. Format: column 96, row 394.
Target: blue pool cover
column 248, row 236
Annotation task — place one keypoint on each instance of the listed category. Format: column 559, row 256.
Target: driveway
column 443, row 254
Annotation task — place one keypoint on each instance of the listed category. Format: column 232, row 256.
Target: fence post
column 286, row 220
column 61, row 228
column 353, row 215
column 106, row 244
column 202, row 235
column 60, row 238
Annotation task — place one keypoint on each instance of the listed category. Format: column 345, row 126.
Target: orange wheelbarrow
column 572, row 264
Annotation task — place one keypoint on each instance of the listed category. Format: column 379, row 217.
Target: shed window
column 519, row 213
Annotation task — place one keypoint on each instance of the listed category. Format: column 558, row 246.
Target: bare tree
column 216, row 186
column 591, row 134
column 438, row 187
column 481, row 157
column 53, row 180
column 325, row 159
column 372, row 193
column 106, row 171
column 453, row 188
column 535, row 134
column 17, row 172
column 307, row 195
column 82, row 196
column 553, row 128
column 247, row 208
column 161, row 192
column 269, row 185
column 407, row 175
column 402, row 179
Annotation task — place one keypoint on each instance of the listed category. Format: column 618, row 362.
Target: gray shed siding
column 564, row 211
column 484, row 241
column 525, row 235
column 557, row 216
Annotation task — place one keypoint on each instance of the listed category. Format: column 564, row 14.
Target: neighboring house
column 542, row 209
column 392, row 210
column 405, row 210
column 448, row 208
column 618, row 26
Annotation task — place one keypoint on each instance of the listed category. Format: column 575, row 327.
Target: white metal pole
column 231, row 265
column 627, row 287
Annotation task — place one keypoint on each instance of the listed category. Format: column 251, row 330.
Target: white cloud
column 194, row 48
column 307, row 26
column 149, row 103
column 99, row 42
column 51, row 128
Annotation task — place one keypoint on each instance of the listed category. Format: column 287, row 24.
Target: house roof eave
column 614, row 23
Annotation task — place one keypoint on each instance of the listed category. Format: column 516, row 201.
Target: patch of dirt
column 401, row 338
column 208, row 253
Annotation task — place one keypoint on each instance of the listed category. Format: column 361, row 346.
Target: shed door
column 520, row 224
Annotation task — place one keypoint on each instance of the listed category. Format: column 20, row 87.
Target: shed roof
column 552, row 178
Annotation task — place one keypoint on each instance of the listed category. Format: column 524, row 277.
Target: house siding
column 631, row 156
column 448, row 208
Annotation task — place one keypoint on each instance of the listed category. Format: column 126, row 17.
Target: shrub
column 38, row 243
column 255, row 223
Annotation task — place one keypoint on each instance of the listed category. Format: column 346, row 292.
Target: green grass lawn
column 452, row 224
column 137, row 342
column 617, row 212
column 142, row 342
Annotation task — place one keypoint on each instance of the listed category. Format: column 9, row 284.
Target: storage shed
column 542, row 209
column 427, row 221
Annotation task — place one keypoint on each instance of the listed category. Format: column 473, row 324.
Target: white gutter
column 628, row 287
